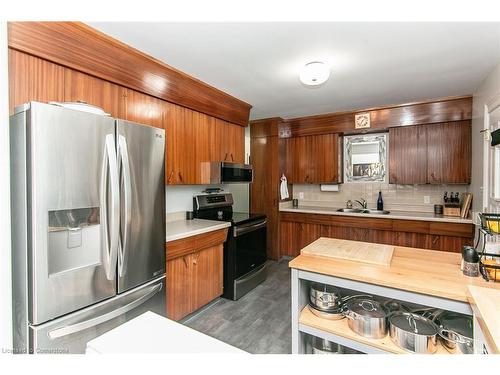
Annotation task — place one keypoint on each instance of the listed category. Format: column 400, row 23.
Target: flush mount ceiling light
column 314, row 73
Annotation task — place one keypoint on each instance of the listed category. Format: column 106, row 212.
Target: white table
column 152, row 333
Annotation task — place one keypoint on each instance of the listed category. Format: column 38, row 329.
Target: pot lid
column 413, row 323
column 366, row 307
column 458, row 323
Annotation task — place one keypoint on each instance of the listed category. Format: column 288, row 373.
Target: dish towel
column 284, row 188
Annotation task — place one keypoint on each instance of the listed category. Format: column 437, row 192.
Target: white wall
column 5, row 245
column 489, row 88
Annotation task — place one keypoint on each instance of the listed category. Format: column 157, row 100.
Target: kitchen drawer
column 452, row 229
column 188, row 245
column 411, row 226
column 293, row 217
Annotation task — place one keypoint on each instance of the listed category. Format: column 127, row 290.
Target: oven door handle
column 239, row 230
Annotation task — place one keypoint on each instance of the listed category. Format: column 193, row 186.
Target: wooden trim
column 78, row 46
column 189, row 245
column 417, row 113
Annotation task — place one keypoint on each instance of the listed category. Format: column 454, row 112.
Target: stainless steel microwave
column 220, row 172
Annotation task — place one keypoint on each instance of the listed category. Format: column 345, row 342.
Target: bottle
column 380, row 202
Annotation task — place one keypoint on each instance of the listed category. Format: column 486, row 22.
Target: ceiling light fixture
column 314, row 73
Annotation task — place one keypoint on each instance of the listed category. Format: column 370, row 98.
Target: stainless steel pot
column 367, row 317
column 413, row 333
column 324, row 297
column 327, row 298
column 322, row 346
column 456, row 332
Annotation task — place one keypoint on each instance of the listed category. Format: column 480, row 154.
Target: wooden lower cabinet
column 194, row 272
column 299, row 230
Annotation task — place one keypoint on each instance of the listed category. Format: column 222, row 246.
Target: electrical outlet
column 427, row 199
column 301, row 195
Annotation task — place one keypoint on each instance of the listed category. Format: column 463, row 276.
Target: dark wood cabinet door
column 142, row 108
column 307, row 233
column 181, row 146
column 303, row 170
column 207, row 275
column 287, row 146
column 264, row 188
column 325, row 157
column 449, row 152
column 33, row 79
column 313, row 159
column 81, row 87
column 408, row 155
column 179, row 287
column 288, row 239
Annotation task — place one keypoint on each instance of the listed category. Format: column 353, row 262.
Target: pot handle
column 456, row 337
column 346, row 313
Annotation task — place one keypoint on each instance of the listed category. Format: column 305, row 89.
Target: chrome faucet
column 363, row 203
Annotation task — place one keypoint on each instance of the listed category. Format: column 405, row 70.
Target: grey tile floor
column 259, row 322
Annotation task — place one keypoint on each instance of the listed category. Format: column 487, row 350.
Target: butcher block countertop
column 429, row 272
column 485, row 303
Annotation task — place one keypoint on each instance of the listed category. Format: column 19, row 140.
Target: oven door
column 250, row 249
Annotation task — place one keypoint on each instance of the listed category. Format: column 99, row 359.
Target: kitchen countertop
column 186, row 228
column 485, row 303
column 404, row 215
column 152, row 333
column 430, row 272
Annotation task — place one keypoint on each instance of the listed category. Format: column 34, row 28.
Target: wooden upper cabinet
column 81, row 87
column 434, row 153
column 313, row 159
column 181, row 146
column 142, row 108
column 326, row 158
column 33, row 79
column 449, row 152
column 408, row 155
column 232, row 142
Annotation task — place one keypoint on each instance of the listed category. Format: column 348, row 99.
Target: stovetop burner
column 220, row 207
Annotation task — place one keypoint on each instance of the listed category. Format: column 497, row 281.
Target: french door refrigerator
column 88, row 219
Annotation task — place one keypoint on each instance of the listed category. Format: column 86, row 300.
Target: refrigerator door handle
column 127, row 197
column 111, row 229
column 78, row 327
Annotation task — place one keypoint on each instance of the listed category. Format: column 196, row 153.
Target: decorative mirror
column 365, row 157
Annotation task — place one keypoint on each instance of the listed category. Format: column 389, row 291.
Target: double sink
column 364, row 211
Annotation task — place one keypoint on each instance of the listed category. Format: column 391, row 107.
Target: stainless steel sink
column 360, row 211
column 376, row 212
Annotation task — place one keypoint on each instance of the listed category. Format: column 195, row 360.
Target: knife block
column 451, row 210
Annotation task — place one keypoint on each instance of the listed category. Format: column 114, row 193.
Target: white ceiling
column 372, row 64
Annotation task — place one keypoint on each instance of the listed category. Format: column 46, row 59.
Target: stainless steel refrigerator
column 88, row 219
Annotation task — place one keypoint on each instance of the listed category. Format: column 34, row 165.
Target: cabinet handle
column 232, row 159
column 185, row 261
column 225, row 157
column 435, row 240
column 170, row 176
column 180, row 177
column 195, row 258
column 433, row 177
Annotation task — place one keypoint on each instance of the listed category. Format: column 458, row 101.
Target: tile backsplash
column 396, row 197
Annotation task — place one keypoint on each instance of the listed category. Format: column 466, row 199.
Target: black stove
column 245, row 248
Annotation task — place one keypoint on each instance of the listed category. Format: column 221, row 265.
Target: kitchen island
column 417, row 276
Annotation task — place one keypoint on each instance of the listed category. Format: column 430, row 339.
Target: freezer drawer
column 71, row 333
